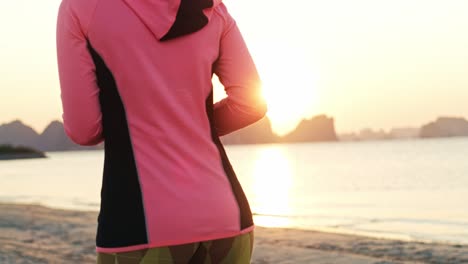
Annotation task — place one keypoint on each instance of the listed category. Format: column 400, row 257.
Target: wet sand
column 37, row 234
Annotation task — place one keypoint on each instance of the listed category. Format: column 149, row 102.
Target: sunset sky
column 367, row 63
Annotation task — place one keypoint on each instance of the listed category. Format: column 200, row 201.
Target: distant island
column 445, row 127
column 8, row 152
column 53, row 138
column 318, row 128
column 368, row 134
column 442, row 127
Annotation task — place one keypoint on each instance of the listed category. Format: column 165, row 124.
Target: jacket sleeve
column 78, row 82
column 237, row 72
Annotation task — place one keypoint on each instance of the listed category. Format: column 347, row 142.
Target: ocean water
column 411, row 190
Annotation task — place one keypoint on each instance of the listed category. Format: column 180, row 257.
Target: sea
column 414, row 190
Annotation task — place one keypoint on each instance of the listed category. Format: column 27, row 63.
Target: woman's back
column 167, row 179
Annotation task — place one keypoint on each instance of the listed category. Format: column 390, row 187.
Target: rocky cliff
column 319, row 128
column 445, row 127
column 258, row 133
column 53, row 138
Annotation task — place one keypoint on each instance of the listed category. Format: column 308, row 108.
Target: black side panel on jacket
column 121, row 220
column 245, row 212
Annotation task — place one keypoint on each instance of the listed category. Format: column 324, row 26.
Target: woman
column 136, row 74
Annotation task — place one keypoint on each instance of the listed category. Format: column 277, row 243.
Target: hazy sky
column 368, row 63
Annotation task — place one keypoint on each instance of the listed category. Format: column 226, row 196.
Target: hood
column 168, row 19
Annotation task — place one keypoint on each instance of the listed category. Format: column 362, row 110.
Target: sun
column 288, row 85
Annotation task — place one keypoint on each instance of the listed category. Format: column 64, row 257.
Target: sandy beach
column 37, row 234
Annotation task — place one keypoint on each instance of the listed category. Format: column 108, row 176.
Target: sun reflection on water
column 272, row 183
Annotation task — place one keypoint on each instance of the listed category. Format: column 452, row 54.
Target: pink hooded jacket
column 137, row 74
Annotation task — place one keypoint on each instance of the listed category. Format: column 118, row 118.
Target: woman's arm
column 236, row 70
column 78, row 84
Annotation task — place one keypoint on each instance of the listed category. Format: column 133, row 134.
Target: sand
column 37, row 234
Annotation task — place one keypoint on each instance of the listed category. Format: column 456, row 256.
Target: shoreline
column 38, row 234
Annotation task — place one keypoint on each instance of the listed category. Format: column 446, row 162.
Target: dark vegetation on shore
column 19, row 152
